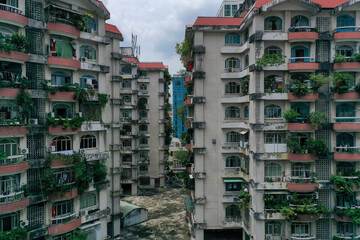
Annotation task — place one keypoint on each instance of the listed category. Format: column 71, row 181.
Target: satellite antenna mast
column 135, row 48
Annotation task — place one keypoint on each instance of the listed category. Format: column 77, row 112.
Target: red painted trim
column 15, row 55
column 62, row 95
column 303, row 187
column 58, row 129
column 13, row 206
column 58, row 163
column 347, row 156
column 349, row 95
column 309, row 96
column 308, row 218
column 300, row 127
column 13, row 130
column 58, row 27
column 303, row 66
column 71, row 194
column 66, row 62
column 14, row 17
column 14, row 168
column 8, row 92
column 187, row 102
column 346, row 65
column 346, row 126
column 66, row 227
column 303, row 35
column 342, row 218
column 342, row 35
column 302, row 157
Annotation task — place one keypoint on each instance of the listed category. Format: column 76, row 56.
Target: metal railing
column 64, row 219
column 10, row 8
column 302, row 29
column 229, row 70
column 347, row 149
column 347, row 119
column 347, row 236
column 298, row 237
column 12, row 160
column 301, row 59
column 347, row 29
column 302, row 180
column 12, row 197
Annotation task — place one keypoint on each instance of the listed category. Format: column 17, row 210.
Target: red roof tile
column 151, row 65
column 323, row 3
column 133, row 60
column 217, row 21
column 112, row 28
column 103, row 5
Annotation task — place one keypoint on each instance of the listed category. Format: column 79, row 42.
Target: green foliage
column 15, row 42
column 186, row 138
column 103, row 99
column 314, row 147
column 300, row 89
column 167, row 77
column 318, row 80
column 15, row 234
column 244, row 86
column 82, row 177
column 100, row 172
column 184, row 50
column 338, row 58
column 355, row 57
column 345, row 185
column 183, row 157
column 317, row 119
column 25, row 103
column 291, row 116
column 26, row 190
column 341, row 82
column 168, row 132
column 353, row 213
column 293, row 144
column 79, row 235
column 244, row 199
column 271, row 60
column 181, row 113
column 74, row 123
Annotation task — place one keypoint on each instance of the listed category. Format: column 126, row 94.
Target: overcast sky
column 159, row 25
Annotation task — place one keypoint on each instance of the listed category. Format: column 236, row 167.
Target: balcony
column 65, row 63
column 302, row 64
column 230, row 73
column 298, row 127
column 349, row 33
column 300, row 185
column 62, row 95
column 233, row 222
column 235, row 99
column 14, row 164
column 347, row 66
column 302, row 157
column 271, row 36
column 59, row 129
column 143, row 79
column 8, row 92
column 61, row 196
column 13, row 130
column 346, row 153
column 62, row 29
column 235, row 48
column 12, row 15
column 230, row 149
column 347, row 97
column 230, row 199
column 64, row 224
column 307, row 97
column 305, row 237
column 92, row 215
column 303, row 36
column 345, row 124
column 14, row 56
column 13, row 202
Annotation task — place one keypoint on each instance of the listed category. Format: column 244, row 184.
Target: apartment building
column 144, row 100
column 60, row 130
column 179, row 91
column 228, row 8
column 257, row 175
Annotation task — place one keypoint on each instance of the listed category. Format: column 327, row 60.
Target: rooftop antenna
column 135, row 47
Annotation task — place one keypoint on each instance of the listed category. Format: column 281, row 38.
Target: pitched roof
column 322, row 3
column 131, row 59
column 217, row 21
column 112, row 28
column 151, row 65
column 103, row 5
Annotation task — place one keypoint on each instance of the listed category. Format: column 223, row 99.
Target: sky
column 158, row 24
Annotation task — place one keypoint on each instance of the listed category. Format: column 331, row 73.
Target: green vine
column 184, row 50
column 346, row 185
column 15, row 234
column 15, row 42
column 25, row 103
column 271, row 60
column 300, row 89
column 74, row 123
column 244, row 199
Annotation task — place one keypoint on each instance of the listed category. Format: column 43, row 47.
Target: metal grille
column 39, row 111
column 323, row 24
column 36, row 39
column 91, row 234
column 323, row 169
column 36, row 146
column 35, row 72
column 36, row 215
column 324, row 197
column 34, row 183
column 322, row 51
column 323, row 230
column 34, row 9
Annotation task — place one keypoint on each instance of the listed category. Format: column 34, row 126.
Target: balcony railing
column 347, row 119
column 233, row 219
column 302, row 29
column 347, row 236
column 301, row 59
column 12, row 160
column 229, row 70
column 347, row 29
column 9, row 8
column 296, row 237
column 347, row 149
column 64, row 219
column 302, row 180
column 12, row 197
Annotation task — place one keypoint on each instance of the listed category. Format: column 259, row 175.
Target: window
column 227, row 10
column 127, row 129
column 232, row 112
column 126, row 84
column 9, row 146
column 273, row 50
column 273, row 170
column 232, row 38
column 345, row 50
column 126, row 143
column 233, row 211
column 345, row 23
column 273, row 83
column 145, row 181
column 143, row 168
column 87, row 200
column 300, row 53
column 143, row 87
column 300, row 229
column 246, row 60
column 274, row 138
column 9, row 221
column 126, row 70
column 126, row 114
column 302, row 108
column 300, row 21
column 127, row 158
column 232, row 63
column 9, row 185
column 343, row 141
column 59, row 78
column 88, row 141
column 232, row 137
column 62, row 209
column 89, row 82
column 64, row 176
column 144, row 141
column 143, row 128
column 90, row 23
column 345, row 110
column 232, row 161
column 232, row 87
column 126, row 99
column 6, row 32
column 345, row 168
column 144, row 154
column 272, row 111
column 62, row 143
column 88, row 52
column 246, row 112
column 143, row 114
column 346, row 229
column 301, row 170
column 233, row 186
column 273, row 23
column 346, row 200
column 234, row 9
column 62, row 110
column 246, row 35
column 273, row 228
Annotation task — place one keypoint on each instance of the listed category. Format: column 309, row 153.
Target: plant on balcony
column 184, row 50
column 15, row 42
column 122, row 132
column 293, row 211
column 293, row 144
column 25, row 103
column 341, row 82
column 244, row 86
column 82, row 177
column 346, row 185
column 74, row 123
column 183, row 157
column 318, row 80
column 68, row 159
column 100, row 172
column 353, row 213
column 300, row 89
column 317, row 147
column 275, row 202
column 355, row 57
column 79, row 235
column 338, row 58
column 244, row 199
column 291, row 116
column 186, row 138
column 317, row 119
column 271, row 60
column 15, row 234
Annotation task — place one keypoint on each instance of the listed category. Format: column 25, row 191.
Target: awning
column 244, row 132
column 233, row 180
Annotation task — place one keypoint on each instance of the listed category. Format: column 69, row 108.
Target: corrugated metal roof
column 126, row 208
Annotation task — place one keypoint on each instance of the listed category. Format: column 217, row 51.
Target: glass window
column 144, row 141
column 344, row 110
column 300, row 170
column 59, row 78
column 246, row 35
column 64, row 176
column 345, row 168
column 143, row 154
column 126, row 84
column 143, row 114
column 88, row 52
column 345, row 50
column 126, row 70
column 232, row 112
column 62, row 143
column 246, row 112
column 232, row 63
column 232, row 137
column 62, row 110
column 145, row 181
column 90, row 23
column 302, row 108
column 5, row 32
column 344, row 140
column 62, row 209
column 89, row 82
column 273, row 23
column 346, row 229
column 88, row 141
column 300, row 229
column 127, row 129
column 232, row 87
column 9, row 146
column 274, row 138
column 300, row 54
column 345, row 22
column 126, row 143
column 232, row 38
column 143, row 168
column 273, row 228
column 143, row 128
column 126, row 114
column 233, row 161
column 87, row 200
column 227, row 10
column 143, row 87
column 273, row 170
column 300, row 21
column 273, row 50
column 126, row 99
column 9, row 221
column 272, row 111
column 246, row 60
column 234, row 186
column 127, row 158
column 233, row 211
column 9, row 185
column 234, row 9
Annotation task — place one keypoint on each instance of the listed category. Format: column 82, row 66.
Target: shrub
column 317, row 119
column 300, row 89
column 270, row 60
column 318, row 80
column 338, row 58
column 291, row 115
column 341, row 82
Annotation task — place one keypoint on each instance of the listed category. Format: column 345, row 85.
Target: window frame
column 88, row 141
column 275, row 20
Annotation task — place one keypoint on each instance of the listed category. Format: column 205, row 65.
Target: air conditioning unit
column 24, row 151
column 83, row 213
column 84, row 59
column 269, row 237
column 288, row 197
column 82, row 151
column 24, row 223
column 315, row 196
column 33, row 121
column 50, row 149
column 79, row 114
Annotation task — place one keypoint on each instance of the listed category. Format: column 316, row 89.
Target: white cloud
column 159, row 25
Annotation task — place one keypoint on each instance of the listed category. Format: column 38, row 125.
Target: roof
column 217, row 21
column 151, row 65
column 126, row 208
column 133, row 60
column 103, row 5
column 112, row 28
column 322, row 3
